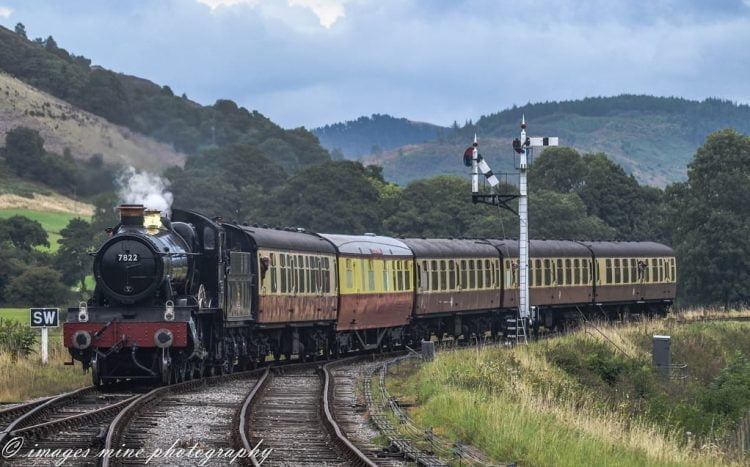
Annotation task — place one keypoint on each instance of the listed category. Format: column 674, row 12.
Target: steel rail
column 355, row 456
column 37, row 411
column 119, row 424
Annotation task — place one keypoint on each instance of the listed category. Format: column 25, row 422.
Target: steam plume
column 144, row 188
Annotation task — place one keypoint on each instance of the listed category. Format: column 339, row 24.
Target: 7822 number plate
column 127, row 257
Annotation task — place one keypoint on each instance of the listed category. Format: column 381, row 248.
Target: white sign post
column 45, row 318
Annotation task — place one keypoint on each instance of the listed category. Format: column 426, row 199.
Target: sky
column 313, row 62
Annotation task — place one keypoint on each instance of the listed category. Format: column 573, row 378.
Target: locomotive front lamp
column 169, row 311
column 83, row 312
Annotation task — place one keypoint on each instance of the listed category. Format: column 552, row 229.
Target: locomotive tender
column 181, row 298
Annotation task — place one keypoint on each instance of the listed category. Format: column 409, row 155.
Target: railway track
column 349, row 409
column 74, row 420
column 163, row 425
column 289, row 413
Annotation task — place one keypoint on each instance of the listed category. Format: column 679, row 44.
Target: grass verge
column 591, row 398
column 26, row 378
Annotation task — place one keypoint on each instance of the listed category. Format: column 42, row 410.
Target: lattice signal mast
column 523, row 146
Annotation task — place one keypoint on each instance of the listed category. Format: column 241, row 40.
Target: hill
column 653, row 138
column 374, row 134
column 63, row 125
column 147, row 108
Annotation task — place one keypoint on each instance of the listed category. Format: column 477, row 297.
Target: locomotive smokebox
column 131, row 214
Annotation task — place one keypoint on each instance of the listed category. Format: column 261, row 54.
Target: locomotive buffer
column 523, row 146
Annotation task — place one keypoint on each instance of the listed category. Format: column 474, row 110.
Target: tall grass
column 23, row 377
column 588, row 398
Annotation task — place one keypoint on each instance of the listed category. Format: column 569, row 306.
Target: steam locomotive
column 190, row 296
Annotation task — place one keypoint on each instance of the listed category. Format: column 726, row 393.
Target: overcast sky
column 311, row 62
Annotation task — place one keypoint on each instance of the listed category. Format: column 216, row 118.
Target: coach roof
column 603, row 249
column 542, row 248
column 447, row 248
column 368, row 245
column 287, row 240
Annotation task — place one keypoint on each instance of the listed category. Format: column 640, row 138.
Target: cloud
column 327, row 11
column 312, row 62
column 5, row 11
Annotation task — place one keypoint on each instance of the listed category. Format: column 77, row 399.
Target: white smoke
column 144, row 188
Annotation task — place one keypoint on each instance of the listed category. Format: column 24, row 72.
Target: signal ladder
column 515, row 330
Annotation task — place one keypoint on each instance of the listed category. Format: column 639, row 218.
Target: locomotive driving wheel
column 165, row 367
column 96, row 373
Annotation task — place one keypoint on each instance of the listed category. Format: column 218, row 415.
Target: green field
column 52, row 222
column 15, row 314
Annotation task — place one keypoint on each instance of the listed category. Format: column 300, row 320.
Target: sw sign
column 45, row 317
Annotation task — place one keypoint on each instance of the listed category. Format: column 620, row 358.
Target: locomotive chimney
column 131, row 214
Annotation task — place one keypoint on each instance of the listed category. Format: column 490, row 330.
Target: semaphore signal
column 523, row 146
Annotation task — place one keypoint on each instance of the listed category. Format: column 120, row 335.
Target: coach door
column 239, row 290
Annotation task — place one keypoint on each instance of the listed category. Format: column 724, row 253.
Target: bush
column 16, row 338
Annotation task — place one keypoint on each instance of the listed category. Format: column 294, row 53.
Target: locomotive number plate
column 127, row 257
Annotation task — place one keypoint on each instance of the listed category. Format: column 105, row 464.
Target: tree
column 332, row 197
column 21, row 30
column 24, row 150
column 37, row 286
column 558, row 169
column 441, row 207
column 710, row 218
column 23, row 233
column 72, row 259
column 564, row 217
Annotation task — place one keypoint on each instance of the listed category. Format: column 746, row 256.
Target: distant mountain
column 374, row 134
column 146, row 108
column 654, row 138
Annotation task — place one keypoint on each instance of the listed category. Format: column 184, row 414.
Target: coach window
column 388, row 266
column 559, row 279
column 314, row 270
column 349, row 274
column 608, row 266
column 407, row 275
column 547, row 273
column 370, row 275
column 654, row 270
column 472, row 276
column 625, row 272
column 674, row 269
column 434, row 285
column 273, row 272
column 618, row 272
column 451, row 274
column 537, row 272
column 464, row 278
column 443, row 274
column 282, row 272
column 576, row 272
column 301, row 286
column 488, row 273
column 399, row 266
column 633, row 270
column 480, row 274
column 568, row 273
column 585, row 264
column 661, row 269
column 306, row 275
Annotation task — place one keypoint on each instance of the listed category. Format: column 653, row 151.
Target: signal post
column 523, row 146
